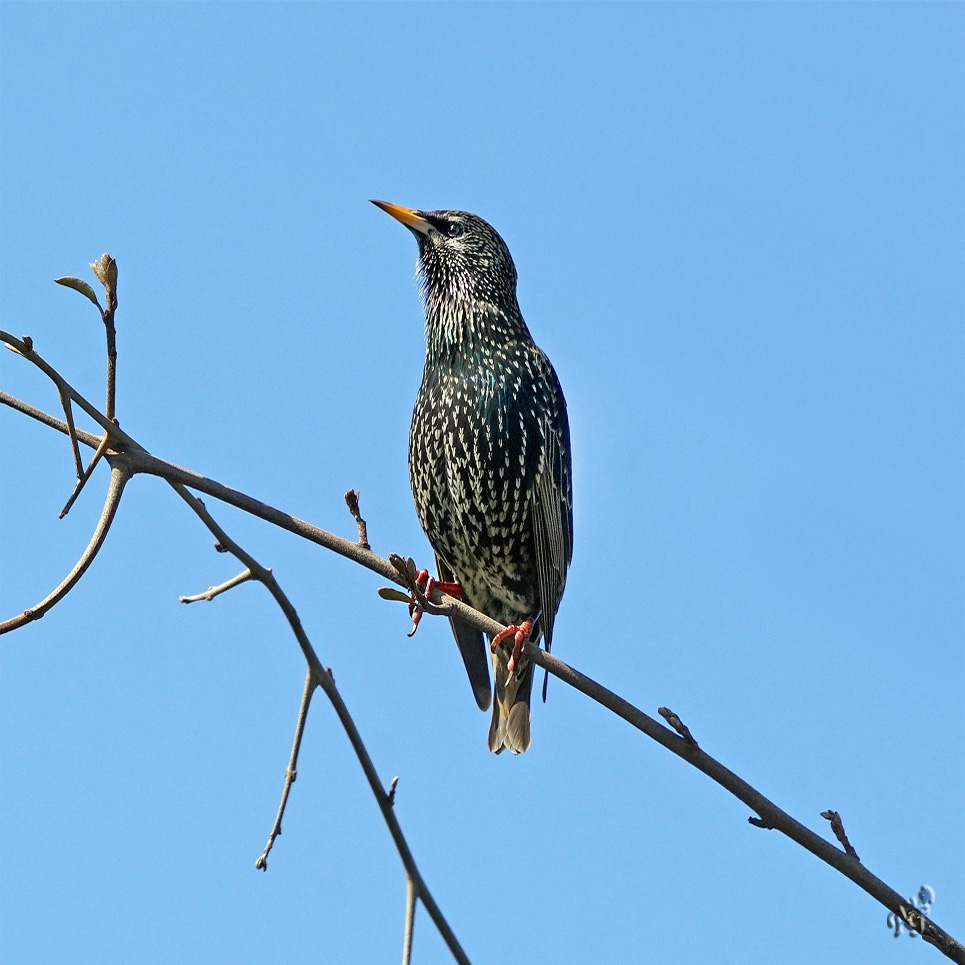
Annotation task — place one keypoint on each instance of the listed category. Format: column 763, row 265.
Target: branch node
column 392, row 787
column 352, row 501
column 677, row 724
column 838, row 828
column 760, row 823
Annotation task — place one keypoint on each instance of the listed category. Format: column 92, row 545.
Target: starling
column 489, row 457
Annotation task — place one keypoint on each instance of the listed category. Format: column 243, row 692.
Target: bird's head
column 461, row 256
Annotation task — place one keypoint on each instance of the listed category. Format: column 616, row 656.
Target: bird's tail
column 510, row 723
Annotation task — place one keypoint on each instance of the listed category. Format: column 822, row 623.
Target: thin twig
column 291, row 771
column 115, row 489
column 410, row 900
column 72, row 432
column 85, row 475
column 212, row 591
column 141, row 461
column 25, row 348
column 18, row 405
column 106, row 270
column 111, row 365
column 352, row 501
column 327, row 682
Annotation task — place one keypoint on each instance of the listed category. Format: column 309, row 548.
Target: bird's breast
column 474, row 450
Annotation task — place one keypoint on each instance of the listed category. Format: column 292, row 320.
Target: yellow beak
column 408, row 216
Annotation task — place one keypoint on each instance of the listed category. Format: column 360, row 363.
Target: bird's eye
column 455, row 229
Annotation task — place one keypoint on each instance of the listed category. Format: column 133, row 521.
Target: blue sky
column 739, row 236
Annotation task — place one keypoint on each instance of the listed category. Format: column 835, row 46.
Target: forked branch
column 318, row 676
column 127, row 458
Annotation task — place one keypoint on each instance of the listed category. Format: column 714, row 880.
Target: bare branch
column 291, row 770
column 774, row 817
column 768, row 814
column 410, row 900
column 141, row 461
column 119, row 478
column 85, row 475
column 106, row 271
column 72, row 432
column 213, row 591
column 326, row 681
column 322, row 677
column 25, row 348
column 88, row 438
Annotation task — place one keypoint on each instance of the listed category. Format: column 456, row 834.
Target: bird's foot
column 426, row 585
column 520, row 635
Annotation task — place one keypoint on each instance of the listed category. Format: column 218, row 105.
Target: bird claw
column 426, row 584
column 520, row 635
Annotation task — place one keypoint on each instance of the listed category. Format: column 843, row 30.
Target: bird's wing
column 471, row 646
column 552, row 508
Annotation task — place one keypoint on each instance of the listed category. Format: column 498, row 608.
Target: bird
column 489, row 459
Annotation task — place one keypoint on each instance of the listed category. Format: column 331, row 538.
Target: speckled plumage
column 489, row 453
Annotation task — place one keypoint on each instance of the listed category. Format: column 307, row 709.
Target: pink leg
column 520, row 635
column 427, row 584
